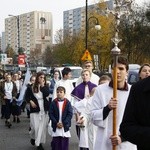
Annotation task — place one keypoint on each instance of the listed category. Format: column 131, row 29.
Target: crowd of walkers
column 53, row 104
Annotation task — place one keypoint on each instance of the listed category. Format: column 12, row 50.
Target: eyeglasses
column 87, row 66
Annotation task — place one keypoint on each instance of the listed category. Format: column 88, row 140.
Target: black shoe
column 14, row 119
column 8, row 124
column 29, row 129
column 32, row 141
column 40, row 147
column 2, row 117
column 18, row 120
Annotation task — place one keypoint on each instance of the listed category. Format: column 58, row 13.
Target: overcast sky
column 56, row 7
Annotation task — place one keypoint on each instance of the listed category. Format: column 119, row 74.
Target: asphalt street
column 17, row 137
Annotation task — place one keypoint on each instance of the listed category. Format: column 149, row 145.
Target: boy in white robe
column 61, row 113
column 66, row 83
column 94, row 78
column 102, row 106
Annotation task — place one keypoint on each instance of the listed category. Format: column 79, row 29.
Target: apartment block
column 74, row 19
column 3, row 45
column 30, row 31
column 0, row 43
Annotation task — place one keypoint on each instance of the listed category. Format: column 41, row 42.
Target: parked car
column 134, row 67
column 133, row 76
column 76, row 72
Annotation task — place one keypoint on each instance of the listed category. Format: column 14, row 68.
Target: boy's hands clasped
column 59, row 125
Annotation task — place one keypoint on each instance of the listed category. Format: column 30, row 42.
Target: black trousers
column 3, row 110
column 8, row 109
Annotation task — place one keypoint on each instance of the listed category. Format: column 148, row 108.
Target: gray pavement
column 17, row 137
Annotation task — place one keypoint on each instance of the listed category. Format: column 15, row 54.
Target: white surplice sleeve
column 97, row 107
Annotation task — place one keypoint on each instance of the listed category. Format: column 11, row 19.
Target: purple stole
column 79, row 91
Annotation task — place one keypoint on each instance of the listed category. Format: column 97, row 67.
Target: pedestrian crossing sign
column 86, row 56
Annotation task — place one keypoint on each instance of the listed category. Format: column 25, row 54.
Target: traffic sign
column 21, row 60
column 86, row 56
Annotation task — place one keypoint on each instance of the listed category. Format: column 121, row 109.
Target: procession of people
column 55, row 102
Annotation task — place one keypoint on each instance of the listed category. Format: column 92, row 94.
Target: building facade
column 3, row 45
column 0, row 43
column 74, row 19
column 29, row 31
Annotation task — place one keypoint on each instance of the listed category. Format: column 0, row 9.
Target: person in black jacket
column 32, row 81
column 61, row 113
column 37, row 96
column 135, row 126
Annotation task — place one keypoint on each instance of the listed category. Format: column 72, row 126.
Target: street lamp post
column 18, row 30
column 86, row 25
column 97, row 26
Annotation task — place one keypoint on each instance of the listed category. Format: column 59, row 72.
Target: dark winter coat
column 135, row 126
column 67, row 114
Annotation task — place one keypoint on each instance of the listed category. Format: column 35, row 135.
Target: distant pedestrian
column 8, row 92
column 144, row 71
column 16, row 109
column 39, row 106
column 29, row 85
column 60, row 115
column 3, row 103
column 94, row 78
column 104, row 79
column 53, row 81
column 66, row 83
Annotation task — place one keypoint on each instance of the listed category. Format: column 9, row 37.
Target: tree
column 11, row 54
column 36, row 57
column 47, row 56
column 135, row 31
column 21, row 51
column 68, row 48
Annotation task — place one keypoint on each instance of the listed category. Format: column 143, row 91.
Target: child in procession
column 61, row 113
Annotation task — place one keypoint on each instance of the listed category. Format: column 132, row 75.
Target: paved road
column 17, row 137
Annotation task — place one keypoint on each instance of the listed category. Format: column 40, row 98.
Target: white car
column 75, row 70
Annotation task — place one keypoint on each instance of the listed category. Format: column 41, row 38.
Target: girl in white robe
column 37, row 96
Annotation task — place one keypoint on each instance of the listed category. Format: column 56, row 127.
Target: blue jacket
column 51, row 88
column 66, row 114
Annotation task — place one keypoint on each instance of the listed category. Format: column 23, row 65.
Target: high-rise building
column 74, row 19
column 0, row 43
column 3, row 45
column 29, row 31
